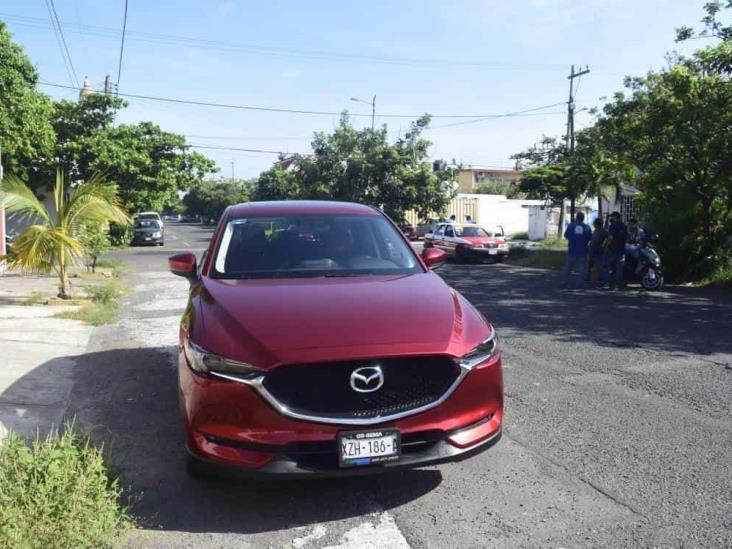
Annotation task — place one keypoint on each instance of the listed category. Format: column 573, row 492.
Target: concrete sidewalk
column 37, row 355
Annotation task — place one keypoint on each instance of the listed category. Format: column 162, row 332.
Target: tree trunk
column 63, row 287
column 571, row 208
column 94, row 264
column 599, row 208
column 560, row 232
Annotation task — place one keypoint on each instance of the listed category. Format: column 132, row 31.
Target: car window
column 147, row 224
column 473, row 230
column 440, row 230
column 449, row 231
column 312, row 245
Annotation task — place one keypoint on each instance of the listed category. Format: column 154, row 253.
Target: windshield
column 470, row 231
column 146, row 224
column 312, row 245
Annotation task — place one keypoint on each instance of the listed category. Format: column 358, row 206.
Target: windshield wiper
column 344, row 275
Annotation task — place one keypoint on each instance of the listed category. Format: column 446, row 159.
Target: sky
column 443, row 57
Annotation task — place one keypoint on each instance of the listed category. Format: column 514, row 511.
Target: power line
column 58, row 35
column 63, row 41
column 107, row 32
column 122, row 46
column 528, row 112
column 218, row 148
column 309, row 112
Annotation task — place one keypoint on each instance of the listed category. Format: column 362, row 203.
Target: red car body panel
column 483, row 240
column 268, row 323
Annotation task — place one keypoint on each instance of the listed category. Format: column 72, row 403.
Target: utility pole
column 570, row 126
column 3, row 251
column 232, row 171
column 373, row 111
column 107, row 85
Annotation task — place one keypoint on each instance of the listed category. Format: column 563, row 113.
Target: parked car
column 316, row 342
column 468, row 242
column 148, row 231
column 410, row 231
column 427, row 226
column 149, row 215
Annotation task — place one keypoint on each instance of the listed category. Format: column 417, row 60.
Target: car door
column 449, row 240
column 438, row 236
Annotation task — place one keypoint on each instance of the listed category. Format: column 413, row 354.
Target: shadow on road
column 127, row 400
column 690, row 320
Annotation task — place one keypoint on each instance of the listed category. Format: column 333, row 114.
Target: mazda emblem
column 367, row 379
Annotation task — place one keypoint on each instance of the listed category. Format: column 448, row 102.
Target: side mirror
column 433, row 257
column 183, row 265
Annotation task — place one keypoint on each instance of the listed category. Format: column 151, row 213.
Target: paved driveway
column 618, row 429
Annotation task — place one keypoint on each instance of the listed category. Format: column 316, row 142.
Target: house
column 469, row 179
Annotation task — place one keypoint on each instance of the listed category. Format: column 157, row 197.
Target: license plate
column 492, row 251
column 368, row 447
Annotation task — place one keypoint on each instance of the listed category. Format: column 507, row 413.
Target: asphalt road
column 618, row 428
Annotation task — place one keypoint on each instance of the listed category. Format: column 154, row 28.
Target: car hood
column 480, row 240
column 271, row 322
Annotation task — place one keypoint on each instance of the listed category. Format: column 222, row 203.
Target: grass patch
column 35, row 298
column 552, row 243
column 58, row 492
column 119, row 268
column 104, row 305
column 520, row 236
column 539, row 258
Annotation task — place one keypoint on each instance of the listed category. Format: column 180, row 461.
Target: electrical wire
column 218, row 148
column 61, row 41
column 106, row 32
column 122, row 46
column 481, row 117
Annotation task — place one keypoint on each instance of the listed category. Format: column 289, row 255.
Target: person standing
column 597, row 251
column 578, row 235
column 617, row 238
column 469, row 220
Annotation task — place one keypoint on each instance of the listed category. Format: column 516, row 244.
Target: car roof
column 300, row 207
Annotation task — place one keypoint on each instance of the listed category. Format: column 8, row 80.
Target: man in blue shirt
column 616, row 249
column 578, row 235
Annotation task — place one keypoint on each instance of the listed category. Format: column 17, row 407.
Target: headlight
column 201, row 360
column 481, row 352
column 157, row 234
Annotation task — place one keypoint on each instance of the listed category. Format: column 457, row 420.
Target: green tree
column 52, row 243
column 95, row 242
column 361, row 166
column 509, row 190
column 149, row 165
column 209, row 199
column 26, row 134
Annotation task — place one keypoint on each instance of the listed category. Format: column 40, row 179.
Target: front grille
column 323, row 389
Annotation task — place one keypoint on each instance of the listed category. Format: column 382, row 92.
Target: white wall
column 496, row 209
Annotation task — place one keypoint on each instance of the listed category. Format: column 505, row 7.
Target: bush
column 120, row 236
column 95, row 242
column 108, row 292
column 58, row 493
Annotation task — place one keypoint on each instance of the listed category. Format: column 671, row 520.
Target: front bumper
column 483, row 254
column 141, row 239
column 230, row 427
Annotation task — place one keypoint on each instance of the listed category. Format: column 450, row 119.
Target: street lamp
column 373, row 107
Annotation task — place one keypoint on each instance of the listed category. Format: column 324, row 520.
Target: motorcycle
column 644, row 265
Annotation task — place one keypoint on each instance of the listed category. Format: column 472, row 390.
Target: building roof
column 300, row 207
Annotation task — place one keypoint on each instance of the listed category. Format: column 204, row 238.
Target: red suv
column 316, row 342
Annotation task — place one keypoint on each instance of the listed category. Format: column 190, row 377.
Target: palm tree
column 52, row 244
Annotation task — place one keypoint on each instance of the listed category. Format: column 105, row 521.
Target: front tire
column 195, row 468
column 652, row 280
